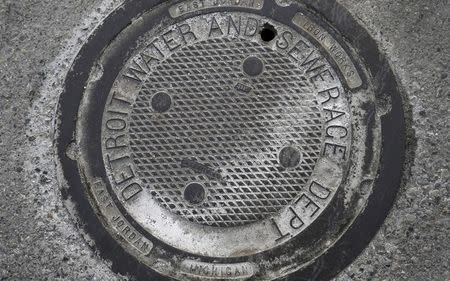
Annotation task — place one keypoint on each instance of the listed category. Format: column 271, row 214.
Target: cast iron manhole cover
column 216, row 139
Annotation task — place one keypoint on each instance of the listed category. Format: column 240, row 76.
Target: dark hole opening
column 268, row 32
column 194, row 193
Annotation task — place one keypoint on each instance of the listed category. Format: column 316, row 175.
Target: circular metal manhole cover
column 230, row 139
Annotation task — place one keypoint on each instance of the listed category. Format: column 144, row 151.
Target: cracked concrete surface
column 40, row 241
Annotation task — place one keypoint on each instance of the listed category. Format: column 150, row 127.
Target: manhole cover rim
column 254, row 242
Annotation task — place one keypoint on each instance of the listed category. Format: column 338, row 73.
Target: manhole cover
column 230, row 140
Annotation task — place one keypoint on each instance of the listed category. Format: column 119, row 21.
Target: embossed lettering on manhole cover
column 245, row 140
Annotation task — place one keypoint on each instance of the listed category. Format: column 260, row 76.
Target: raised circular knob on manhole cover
column 230, row 140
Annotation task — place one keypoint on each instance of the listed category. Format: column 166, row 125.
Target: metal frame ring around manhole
column 236, row 140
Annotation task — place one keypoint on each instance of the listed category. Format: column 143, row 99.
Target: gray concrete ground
column 40, row 241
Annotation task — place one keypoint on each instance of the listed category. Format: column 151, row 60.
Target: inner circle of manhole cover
column 227, row 139
column 246, row 140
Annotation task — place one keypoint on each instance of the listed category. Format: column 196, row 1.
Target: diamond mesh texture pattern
column 236, row 134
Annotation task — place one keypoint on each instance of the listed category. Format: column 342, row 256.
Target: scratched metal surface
column 238, row 135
